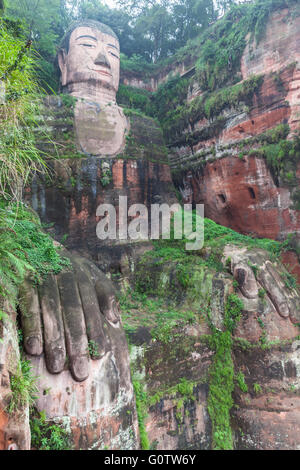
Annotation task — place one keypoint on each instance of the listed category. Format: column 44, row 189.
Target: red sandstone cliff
column 237, row 187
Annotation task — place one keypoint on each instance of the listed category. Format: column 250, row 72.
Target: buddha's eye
column 114, row 55
column 88, row 45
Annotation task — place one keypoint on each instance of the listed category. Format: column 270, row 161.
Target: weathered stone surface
column 243, row 193
column 186, row 428
column 268, row 419
column 174, row 422
column 14, row 426
column 290, row 259
column 153, row 80
column 278, row 49
column 265, row 350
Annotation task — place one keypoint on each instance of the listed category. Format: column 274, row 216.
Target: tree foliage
column 45, row 22
column 166, row 25
column 24, row 248
column 150, row 30
column 18, row 154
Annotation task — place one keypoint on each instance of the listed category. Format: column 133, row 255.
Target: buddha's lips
column 103, row 72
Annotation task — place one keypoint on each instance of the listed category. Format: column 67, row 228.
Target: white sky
column 110, row 3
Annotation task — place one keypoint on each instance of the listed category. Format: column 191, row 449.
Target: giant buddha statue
column 89, row 61
column 99, row 153
column 71, row 325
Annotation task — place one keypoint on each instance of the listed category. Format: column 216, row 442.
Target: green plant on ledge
column 257, row 388
column 93, row 349
column 106, row 175
column 240, row 379
column 68, row 100
column 23, row 387
column 46, row 435
column 221, row 373
column 141, row 408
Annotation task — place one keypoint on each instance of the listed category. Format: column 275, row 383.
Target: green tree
column 2, row 7
column 191, row 18
column 157, row 26
column 166, row 26
column 120, row 21
column 45, row 22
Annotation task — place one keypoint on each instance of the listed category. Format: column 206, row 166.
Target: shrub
column 23, row 387
column 46, row 435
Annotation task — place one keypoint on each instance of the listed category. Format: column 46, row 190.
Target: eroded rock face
column 138, row 80
column 278, row 49
column 265, row 350
column 238, row 188
column 171, row 424
column 81, row 359
column 268, row 417
column 14, row 424
column 242, row 194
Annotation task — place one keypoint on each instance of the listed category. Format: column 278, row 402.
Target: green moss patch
column 25, row 249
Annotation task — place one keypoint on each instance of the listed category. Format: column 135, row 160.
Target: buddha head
column 89, row 58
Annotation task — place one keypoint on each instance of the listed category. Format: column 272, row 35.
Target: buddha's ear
column 61, row 57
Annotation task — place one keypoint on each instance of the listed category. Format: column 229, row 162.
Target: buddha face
column 93, row 56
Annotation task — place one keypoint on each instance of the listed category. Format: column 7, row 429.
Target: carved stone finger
column 274, row 286
column 107, row 299
column 93, row 317
column 295, row 307
column 246, row 280
column 75, row 331
column 31, row 320
column 291, row 295
column 54, row 341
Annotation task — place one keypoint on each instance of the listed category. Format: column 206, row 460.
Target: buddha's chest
column 100, row 129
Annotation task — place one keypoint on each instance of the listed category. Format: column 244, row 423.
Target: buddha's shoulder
column 144, row 138
column 55, row 132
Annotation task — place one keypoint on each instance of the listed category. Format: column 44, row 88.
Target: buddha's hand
column 258, row 276
column 66, row 317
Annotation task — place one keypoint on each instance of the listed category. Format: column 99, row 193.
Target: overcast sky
column 110, row 3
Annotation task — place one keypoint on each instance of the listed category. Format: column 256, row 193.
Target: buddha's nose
column 102, row 60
